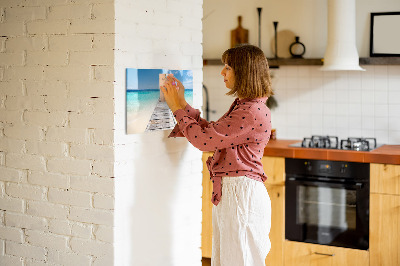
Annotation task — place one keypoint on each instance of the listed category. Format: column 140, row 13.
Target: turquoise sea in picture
column 145, row 108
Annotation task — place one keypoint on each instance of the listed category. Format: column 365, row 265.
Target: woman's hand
column 171, row 94
column 181, row 91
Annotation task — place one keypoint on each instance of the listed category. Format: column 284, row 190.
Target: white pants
column 241, row 223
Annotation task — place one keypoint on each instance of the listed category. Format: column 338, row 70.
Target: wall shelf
column 380, row 61
column 274, row 63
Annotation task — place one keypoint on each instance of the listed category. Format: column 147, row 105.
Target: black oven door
column 327, row 212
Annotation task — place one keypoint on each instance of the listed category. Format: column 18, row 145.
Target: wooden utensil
column 239, row 35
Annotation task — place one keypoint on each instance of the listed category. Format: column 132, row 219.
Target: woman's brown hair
column 250, row 66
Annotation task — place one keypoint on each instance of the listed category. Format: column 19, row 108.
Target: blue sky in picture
column 185, row 76
column 148, row 79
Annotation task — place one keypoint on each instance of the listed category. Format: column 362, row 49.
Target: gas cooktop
column 332, row 142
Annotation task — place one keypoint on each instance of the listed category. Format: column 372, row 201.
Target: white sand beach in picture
column 146, row 109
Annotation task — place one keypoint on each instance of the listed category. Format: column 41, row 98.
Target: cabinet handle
column 324, row 254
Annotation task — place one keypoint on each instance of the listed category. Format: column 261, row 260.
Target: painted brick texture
column 56, row 132
column 62, row 135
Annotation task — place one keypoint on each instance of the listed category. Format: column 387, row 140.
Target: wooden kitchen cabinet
column 274, row 168
column 277, row 233
column 206, row 225
column 384, row 236
column 385, row 178
column 305, row 254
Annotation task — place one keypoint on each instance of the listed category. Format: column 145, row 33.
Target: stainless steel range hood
column 341, row 51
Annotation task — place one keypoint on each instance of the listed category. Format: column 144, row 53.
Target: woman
column 242, row 208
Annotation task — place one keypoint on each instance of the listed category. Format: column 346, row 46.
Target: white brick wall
column 25, row 221
column 56, row 132
column 68, row 258
column 104, row 233
column 46, row 240
column 62, row 137
column 11, row 233
column 25, row 251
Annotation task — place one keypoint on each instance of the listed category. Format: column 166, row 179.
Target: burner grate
column 332, row 142
column 358, row 144
column 327, row 142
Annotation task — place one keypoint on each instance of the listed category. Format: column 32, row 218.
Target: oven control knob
column 308, row 166
column 343, row 168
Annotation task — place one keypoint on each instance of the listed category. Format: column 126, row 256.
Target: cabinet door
column 384, row 229
column 277, row 233
column 385, row 178
column 274, row 168
column 304, row 254
column 206, row 226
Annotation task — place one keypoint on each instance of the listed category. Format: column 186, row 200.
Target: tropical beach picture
column 146, row 109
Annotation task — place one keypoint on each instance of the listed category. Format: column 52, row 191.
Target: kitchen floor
column 206, row 261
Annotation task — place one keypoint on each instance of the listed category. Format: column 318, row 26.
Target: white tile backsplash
column 382, row 136
column 394, row 82
column 394, row 123
column 393, row 71
column 394, row 137
column 367, row 97
column 342, row 123
column 304, row 82
column 292, row 82
column 381, row 122
column 343, row 96
column 353, row 132
column 381, row 97
column 304, row 72
column 367, row 110
column 381, row 71
column 381, row 83
column 329, row 109
column 291, row 71
column 393, row 110
column 316, row 82
column 355, row 96
column 367, row 83
column 343, row 103
column 342, row 109
column 382, row 110
column 368, row 123
column 394, row 97
column 355, row 109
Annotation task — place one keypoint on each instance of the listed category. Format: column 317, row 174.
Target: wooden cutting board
column 239, row 35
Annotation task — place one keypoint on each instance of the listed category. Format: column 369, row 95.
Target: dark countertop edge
column 386, row 154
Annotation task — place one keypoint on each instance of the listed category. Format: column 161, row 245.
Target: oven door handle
column 357, row 185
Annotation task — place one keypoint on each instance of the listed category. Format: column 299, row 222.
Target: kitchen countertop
column 389, row 154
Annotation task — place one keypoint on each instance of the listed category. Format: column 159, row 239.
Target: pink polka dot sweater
column 238, row 139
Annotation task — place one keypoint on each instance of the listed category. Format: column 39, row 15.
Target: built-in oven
column 327, row 202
